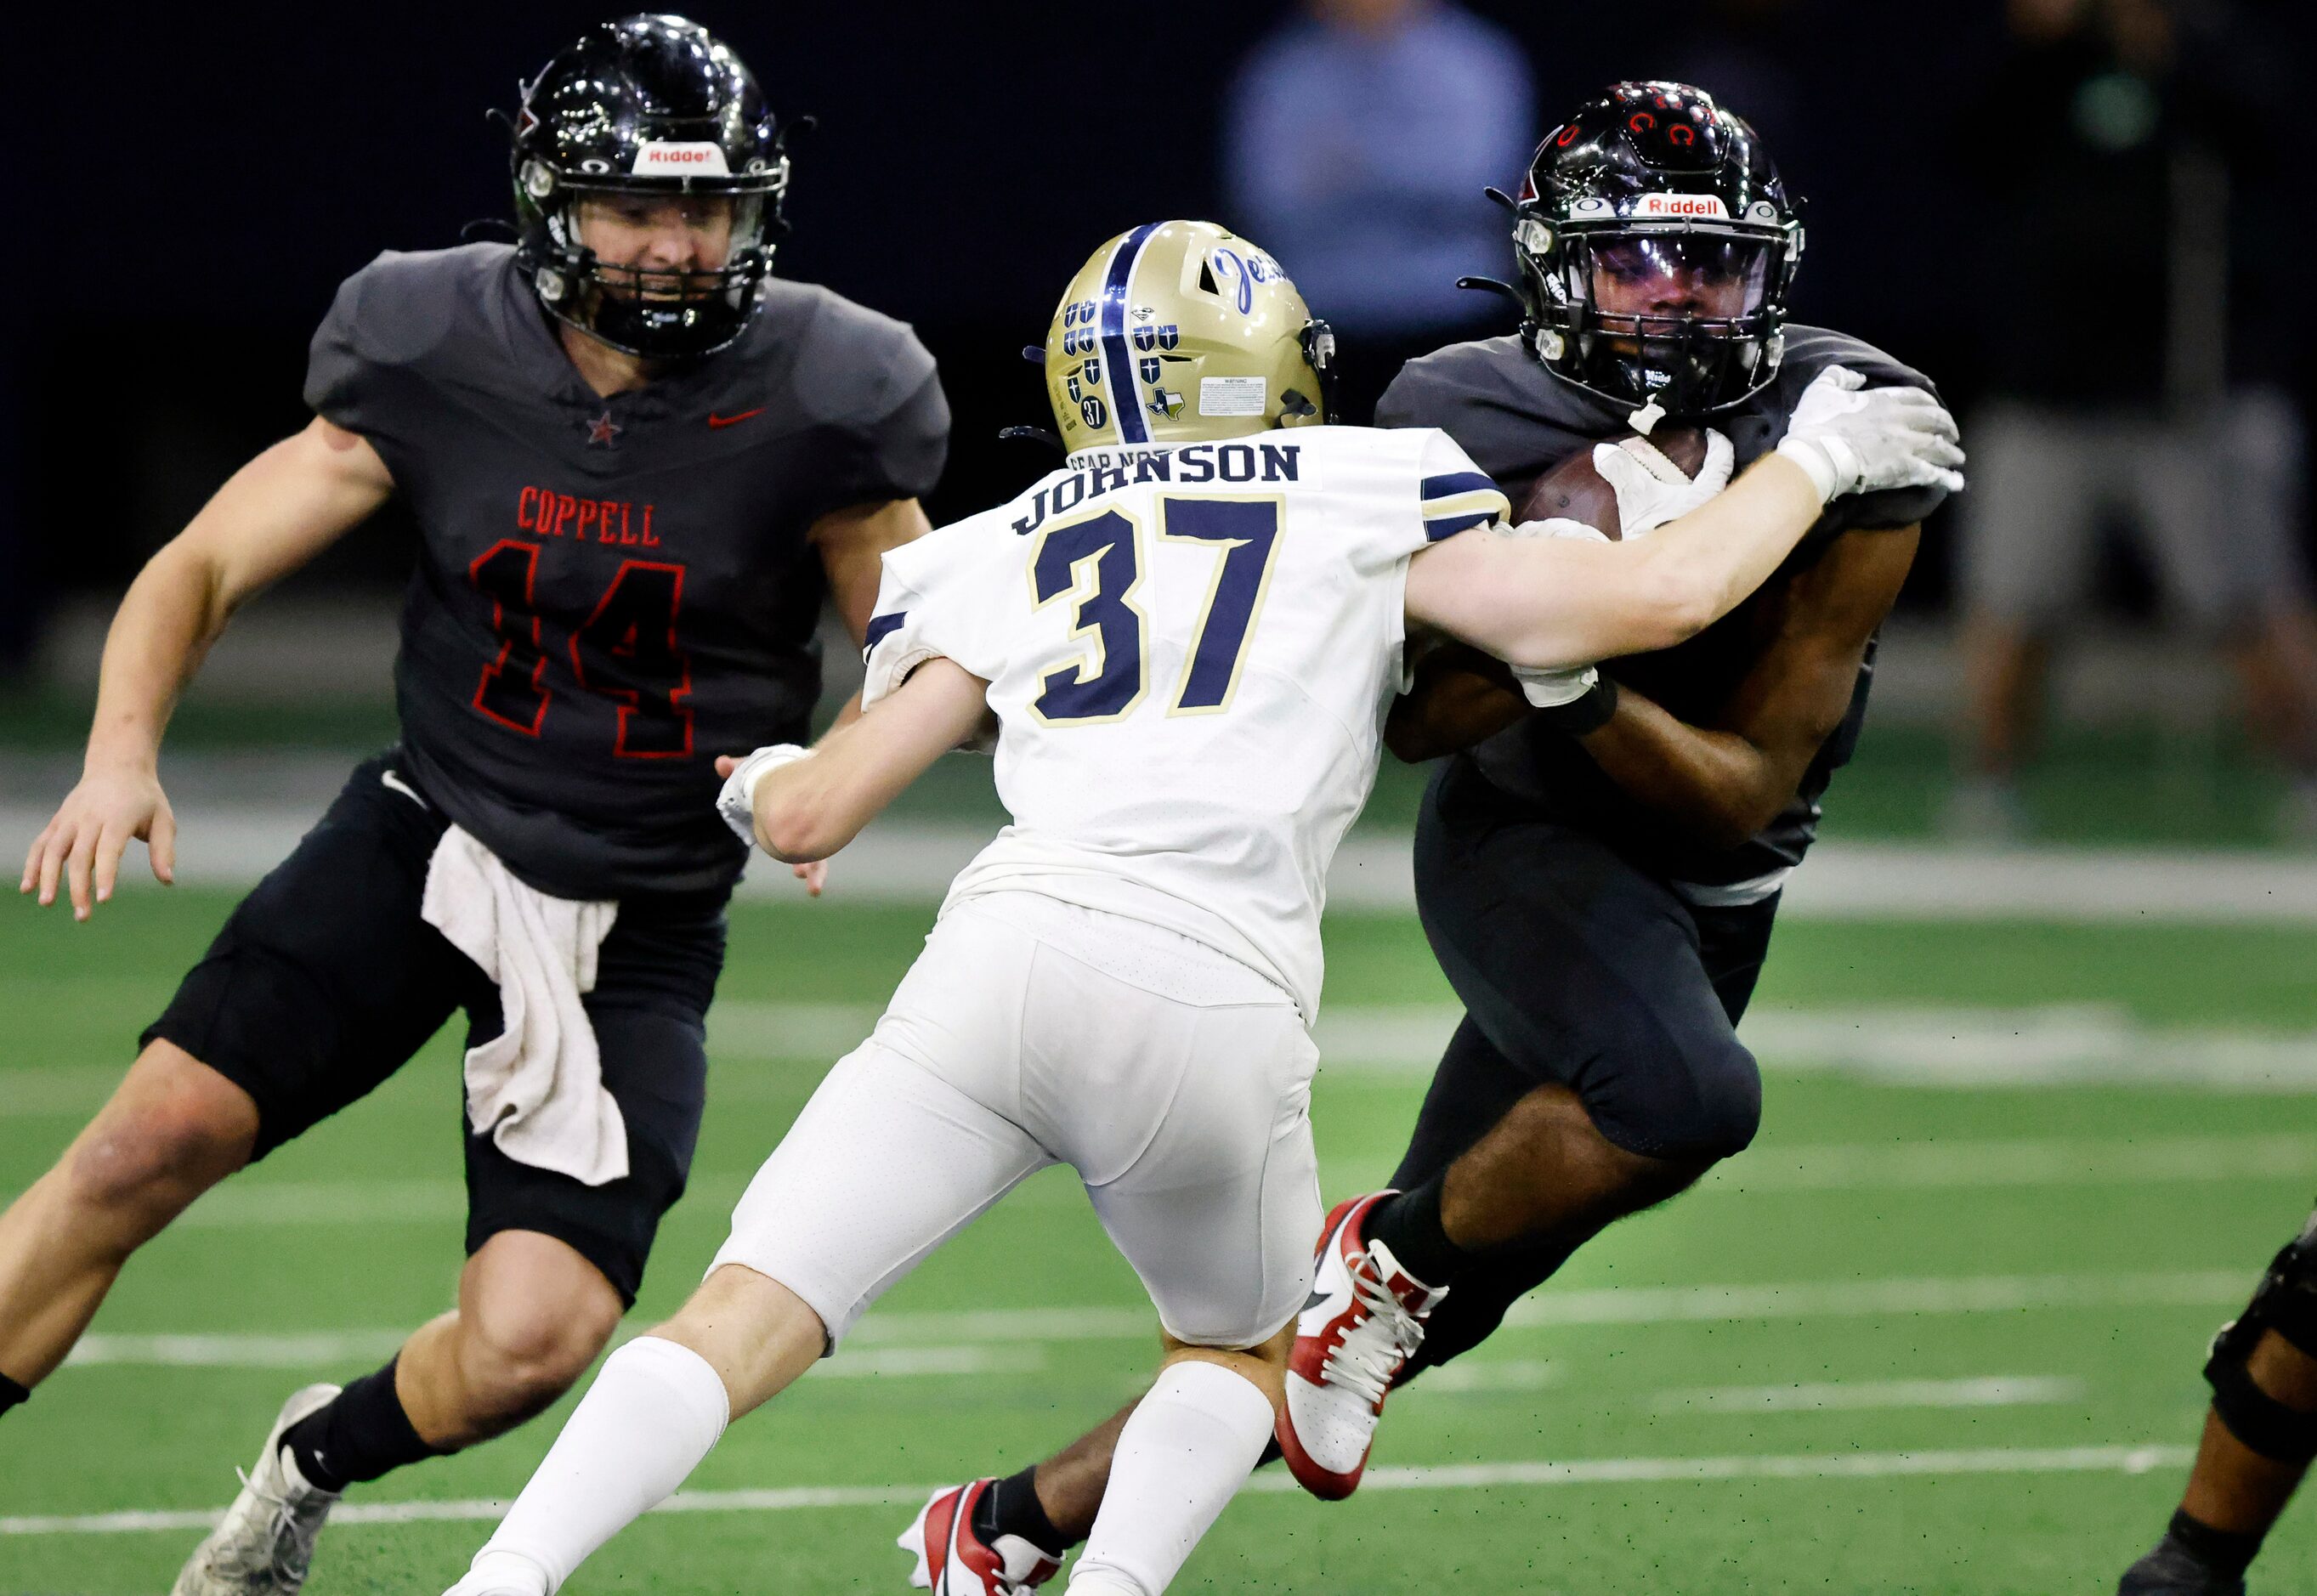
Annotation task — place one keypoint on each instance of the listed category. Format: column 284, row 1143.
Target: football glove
column 737, row 802
column 1652, row 490
column 1852, row 439
column 1550, row 686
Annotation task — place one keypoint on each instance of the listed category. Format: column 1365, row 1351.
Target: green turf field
column 1914, row 1342
column 2135, row 786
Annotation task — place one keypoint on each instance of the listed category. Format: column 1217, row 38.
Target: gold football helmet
column 1179, row 332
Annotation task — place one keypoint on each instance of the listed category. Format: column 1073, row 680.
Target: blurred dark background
column 204, row 177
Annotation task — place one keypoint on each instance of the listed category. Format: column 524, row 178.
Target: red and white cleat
column 1364, row 1320
column 955, row 1561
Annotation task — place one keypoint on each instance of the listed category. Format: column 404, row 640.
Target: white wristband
column 1816, row 461
column 737, row 802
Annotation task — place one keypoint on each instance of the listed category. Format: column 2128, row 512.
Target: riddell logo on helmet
column 1654, row 205
column 666, row 157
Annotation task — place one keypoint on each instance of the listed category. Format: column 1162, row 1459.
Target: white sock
column 1189, row 1447
column 653, row 1414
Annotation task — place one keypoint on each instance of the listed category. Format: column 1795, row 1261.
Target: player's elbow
column 1721, row 826
column 1733, row 809
column 796, row 829
column 1671, row 601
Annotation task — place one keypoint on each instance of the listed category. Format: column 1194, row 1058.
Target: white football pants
column 1175, row 1079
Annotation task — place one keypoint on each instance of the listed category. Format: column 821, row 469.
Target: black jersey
column 609, row 593
column 1518, row 421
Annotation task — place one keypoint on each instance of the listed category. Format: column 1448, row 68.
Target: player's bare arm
column 808, row 805
column 1724, row 781
column 1461, row 698
column 1541, row 602
column 1719, row 782
column 1547, row 601
column 271, row 517
column 853, row 542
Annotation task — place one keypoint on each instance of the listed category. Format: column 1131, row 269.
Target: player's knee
column 1706, row 1105
column 533, row 1316
column 1728, row 1106
column 153, row 1155
column 519, row 1360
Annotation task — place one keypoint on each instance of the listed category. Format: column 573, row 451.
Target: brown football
column 1574, row 491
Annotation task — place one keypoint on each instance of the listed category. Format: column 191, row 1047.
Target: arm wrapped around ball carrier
column 2287, row 1303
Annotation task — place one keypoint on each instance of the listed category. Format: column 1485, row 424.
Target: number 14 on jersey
column 1098, row 565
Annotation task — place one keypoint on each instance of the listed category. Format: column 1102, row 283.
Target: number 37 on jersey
column 1166, row 589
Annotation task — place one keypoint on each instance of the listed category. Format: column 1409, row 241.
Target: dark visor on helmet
column 1714, row 278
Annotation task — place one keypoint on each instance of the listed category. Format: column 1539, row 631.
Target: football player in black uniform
column 2259, row 1437
column 1597, row 877
column 637, row 460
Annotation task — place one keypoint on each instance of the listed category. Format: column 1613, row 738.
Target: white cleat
column 265, row 1542
column 1364, row 1320
column 955, row 1561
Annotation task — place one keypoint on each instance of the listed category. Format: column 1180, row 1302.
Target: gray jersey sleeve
column 887, row 407
column 361, row 369
column 1503, row 410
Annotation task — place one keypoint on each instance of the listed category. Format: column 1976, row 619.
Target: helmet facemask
column 1688, row 320
column 648, row 124
column 659, row 312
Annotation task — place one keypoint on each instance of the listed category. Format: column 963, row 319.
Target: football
column 1574, row 491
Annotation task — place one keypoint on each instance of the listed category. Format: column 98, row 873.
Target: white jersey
column 1190, row 650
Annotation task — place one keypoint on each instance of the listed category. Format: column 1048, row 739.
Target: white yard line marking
column 325, row 1348
column 1488, row 1374
column 1788, row 1167
column 1919, row 1045
column 895, row 862
column 1942, row 1046
column 2057, row 1045
column 233, row 1351
column 954, row 1334
column 1789, row 1466
column 261, row 1204
column 1836, row 1299
column 1955, row 1046
column 1991, row 1391
column 1900, row 1164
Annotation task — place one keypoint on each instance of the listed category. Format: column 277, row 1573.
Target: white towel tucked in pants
column 538, row 1086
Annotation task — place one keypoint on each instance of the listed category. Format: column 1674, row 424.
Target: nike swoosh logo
column 1314, row 1300
column 715, row 420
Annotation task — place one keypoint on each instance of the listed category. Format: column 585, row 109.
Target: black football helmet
column 1656, row 189
column 655, row 105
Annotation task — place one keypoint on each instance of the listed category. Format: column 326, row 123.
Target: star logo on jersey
column 605, row 431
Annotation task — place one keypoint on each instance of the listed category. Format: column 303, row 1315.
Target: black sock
column 11, row 1393
column 1410, row 1225
column 361, row 1436
column 2224, row 1551
column 1011, row 1507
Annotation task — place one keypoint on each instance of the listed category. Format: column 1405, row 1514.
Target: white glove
column 737, row 800
column 1852, row 439
column 1548, row 687
column 1652, row 490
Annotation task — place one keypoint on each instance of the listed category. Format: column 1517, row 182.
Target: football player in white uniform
column 1186, row 639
